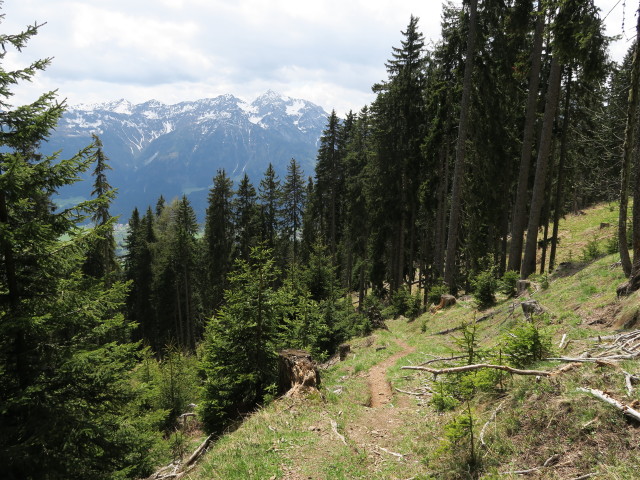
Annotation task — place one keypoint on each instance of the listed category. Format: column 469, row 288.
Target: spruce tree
column 218, row 240
column 247, row 220
column 101, row 258
column 294, row 199
column 65, row 364
column 240, row 342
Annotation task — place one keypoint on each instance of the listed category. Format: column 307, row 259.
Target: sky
column 329, row 52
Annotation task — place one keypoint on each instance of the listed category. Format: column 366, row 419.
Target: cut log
column 605, row 397
column 297, row 373
column 344, row 350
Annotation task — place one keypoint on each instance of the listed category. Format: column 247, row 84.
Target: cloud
column 328, row 51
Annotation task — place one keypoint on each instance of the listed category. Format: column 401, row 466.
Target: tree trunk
column 458, row 173
column 557, row 208
column 520, row 207
column 441, row 214
column 537, row 200
column 629, row 144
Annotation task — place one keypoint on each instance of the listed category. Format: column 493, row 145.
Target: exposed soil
column 379, row 386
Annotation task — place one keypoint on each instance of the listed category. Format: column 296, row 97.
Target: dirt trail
column 379, row 386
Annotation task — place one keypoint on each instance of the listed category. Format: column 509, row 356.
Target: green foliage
column 468, row 341
column 460, row 444
column 525, row 345
column 591, row 251
column 485, row 286
column 67, row 396
column 436, row 291
column 239, row 353
column 508, row 283
column 403, row 303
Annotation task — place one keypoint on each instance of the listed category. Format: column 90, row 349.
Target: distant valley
column 172, row 150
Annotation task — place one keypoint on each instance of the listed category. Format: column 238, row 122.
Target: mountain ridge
column 174, row 149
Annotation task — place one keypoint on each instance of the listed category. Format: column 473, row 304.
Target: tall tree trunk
column 441, row 214
column 537, row 199
column 458, row 173
column 520, row 206
column 629, row 144
column 557, row 208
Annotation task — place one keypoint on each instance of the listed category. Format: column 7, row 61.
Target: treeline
column 512, row 120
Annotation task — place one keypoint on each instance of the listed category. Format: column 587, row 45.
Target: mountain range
column 155, row 149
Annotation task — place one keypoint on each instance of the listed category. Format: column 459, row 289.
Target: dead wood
column 399, row 455
column 417, row 394
column 491, row 419
column 179, row 469
column 605, row 397
column 334, row 427
column 549, row 462
column 459, row 327
column 297, row 373
column 443, row 359
column 468, row 368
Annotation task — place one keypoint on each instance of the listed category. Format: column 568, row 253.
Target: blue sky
column 328, row 51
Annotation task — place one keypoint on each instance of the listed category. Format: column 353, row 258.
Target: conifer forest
column 455, row 176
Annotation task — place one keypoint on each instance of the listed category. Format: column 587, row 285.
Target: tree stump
column 522, row 286
column 530, row 308
column 446, row 301
column 297, row 373
column 344, row 350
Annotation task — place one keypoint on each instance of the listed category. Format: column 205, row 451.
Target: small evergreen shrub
column 436, row 291
column 591, row 251
column 484, row 287
column 509, row 282
column 526, row 344
column 403, row 303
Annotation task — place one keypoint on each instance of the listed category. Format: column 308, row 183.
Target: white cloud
column 328, row 51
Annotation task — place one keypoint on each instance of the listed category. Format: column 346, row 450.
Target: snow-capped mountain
column 172, row 150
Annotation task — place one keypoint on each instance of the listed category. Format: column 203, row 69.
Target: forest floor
column 374, row 420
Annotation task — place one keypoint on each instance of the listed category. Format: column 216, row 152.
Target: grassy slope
column 294, row 439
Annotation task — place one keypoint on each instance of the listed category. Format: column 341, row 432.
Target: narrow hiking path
column 372, row 430
column 379, row 387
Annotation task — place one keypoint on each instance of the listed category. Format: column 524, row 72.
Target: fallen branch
column 334, row 427
column 443, row 359
column 468, row 368
column 399, row 455
column 631, row 356
column 459, row 327
column 584, row 477
column 564, row 337
column 178, row 470
column 605, row 397
column 417, row 394
column 198, row 451
column 549, row 462
column 493, row 417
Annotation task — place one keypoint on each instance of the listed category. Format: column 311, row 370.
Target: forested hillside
column 455, row 178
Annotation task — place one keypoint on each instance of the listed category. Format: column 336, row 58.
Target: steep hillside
column 485, row 423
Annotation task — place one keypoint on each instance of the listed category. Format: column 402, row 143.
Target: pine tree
column 218, row 240
column 65, row 366
column 247, row 220
column 240, row 342
column 101, row 258
column 270, row 205
column 329, row 181
column 293, row 206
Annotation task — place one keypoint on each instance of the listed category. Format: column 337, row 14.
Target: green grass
column 293, row 438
